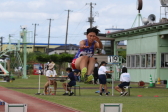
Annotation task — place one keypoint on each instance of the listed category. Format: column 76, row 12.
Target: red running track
column 34, row 104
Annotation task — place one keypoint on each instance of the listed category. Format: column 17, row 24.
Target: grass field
column 89, row 101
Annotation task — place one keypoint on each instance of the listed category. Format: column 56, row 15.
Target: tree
column 43, row 58
column 56, row 58
column 122, row 53
column 62, row 58
column 31, row 57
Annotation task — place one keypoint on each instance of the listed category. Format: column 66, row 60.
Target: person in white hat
column 50, row 73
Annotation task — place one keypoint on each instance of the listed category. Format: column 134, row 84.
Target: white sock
column 71, row 92
column 121, row 92
column 66, row 91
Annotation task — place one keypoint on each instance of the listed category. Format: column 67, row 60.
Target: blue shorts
column 102, row 79
column 124, row 84
column 71, row 83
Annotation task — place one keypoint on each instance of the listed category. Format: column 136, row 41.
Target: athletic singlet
column 86, row 51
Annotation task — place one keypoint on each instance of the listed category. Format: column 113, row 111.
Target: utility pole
column 34, row 35
column 49, row 34
column 9, row 60
column 1, row 42
column 24, row 43
column 67, row 30
column 91, row 18
column 10, row 35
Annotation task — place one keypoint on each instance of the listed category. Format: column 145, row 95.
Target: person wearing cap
column 102, row 77
column 50, row 73
column 125, row 81
column 83, row 59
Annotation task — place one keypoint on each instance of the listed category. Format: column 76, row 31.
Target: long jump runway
column 34, row 104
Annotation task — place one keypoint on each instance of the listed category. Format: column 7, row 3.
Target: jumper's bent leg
column 82, row 64
column 91, row 64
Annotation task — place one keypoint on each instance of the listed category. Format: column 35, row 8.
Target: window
column 132, row 61
column 128, row 61
column 164, row 60
column 137, row 60
column 148, row 60
column 145, row 60
column 107, row 44
column 153, row 60
column 142, row 60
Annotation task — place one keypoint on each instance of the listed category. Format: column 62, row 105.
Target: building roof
column 62, row 47
column 45, row 44
column 138, row 30
column 114, row 29
column 68, row 47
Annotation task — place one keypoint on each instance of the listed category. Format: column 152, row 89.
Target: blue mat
column 99, row 91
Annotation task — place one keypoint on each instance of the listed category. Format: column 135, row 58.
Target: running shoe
column 65, row 94
column 107, row 94
column 125, row 93
column 100, row 94
column 83, row 72
column 121, row 94
column 71, row 94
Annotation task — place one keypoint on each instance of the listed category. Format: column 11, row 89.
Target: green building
column 147, row 51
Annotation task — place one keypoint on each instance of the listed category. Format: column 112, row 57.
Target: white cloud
column 36, row 4
column 120, row 13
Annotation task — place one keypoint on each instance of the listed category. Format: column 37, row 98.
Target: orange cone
column 139, row 95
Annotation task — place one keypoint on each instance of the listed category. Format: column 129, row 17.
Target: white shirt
column 102, row 70
column 51, row 72
column 125, row 77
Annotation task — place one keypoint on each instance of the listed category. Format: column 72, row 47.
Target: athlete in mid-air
column 83, row 60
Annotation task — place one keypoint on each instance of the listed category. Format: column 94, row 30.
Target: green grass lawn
column 89, row 101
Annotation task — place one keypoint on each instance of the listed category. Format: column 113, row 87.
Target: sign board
column 111, row 107
column 15, row 107
column 113, row 59
column 36, row 67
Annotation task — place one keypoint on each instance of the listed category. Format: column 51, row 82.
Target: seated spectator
column 70, row 84
column 125, row 81
column 50, row 73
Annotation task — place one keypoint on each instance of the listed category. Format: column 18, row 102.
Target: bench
column 128, row 87
column 75, row 89
column 109, row 80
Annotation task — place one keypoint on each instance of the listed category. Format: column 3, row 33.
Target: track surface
column 34, row 104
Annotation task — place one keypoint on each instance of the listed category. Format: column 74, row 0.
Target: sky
column 107, row 14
